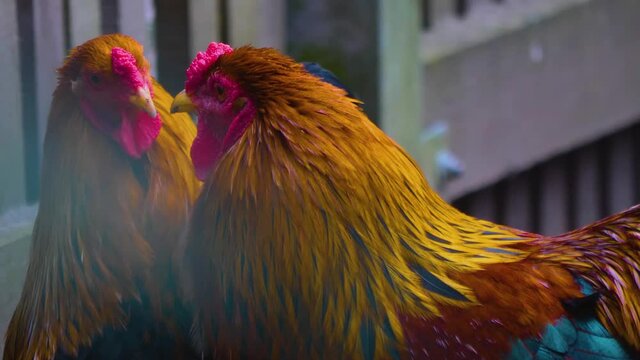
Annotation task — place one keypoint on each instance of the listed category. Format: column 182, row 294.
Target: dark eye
column 220, row 90
column 95, row 79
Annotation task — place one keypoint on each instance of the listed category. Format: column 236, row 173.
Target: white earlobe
column 76, row 86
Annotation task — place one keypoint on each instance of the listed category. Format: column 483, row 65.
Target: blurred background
column 524, row 112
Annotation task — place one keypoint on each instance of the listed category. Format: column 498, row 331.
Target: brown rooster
column 317, row 237
column 117, row 186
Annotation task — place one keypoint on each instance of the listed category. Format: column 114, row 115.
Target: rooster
column 317, row 236
column 116, row 189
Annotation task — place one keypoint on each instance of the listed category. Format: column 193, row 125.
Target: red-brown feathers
column 514, row 301
column 606, row 254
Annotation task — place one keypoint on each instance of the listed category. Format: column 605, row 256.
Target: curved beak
column 143, row 101
column 182, row 103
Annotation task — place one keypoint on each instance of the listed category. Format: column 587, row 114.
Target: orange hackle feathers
column 317, row 236
column 106, row 223
column 314, row 208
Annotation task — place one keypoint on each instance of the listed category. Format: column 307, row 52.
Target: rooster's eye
column 95, row 79
column 220, row 90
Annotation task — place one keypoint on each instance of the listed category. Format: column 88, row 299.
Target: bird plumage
column 108, row 218
column 317, row 236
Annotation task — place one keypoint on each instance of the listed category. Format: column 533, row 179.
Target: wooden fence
column 36, row 35
column 568, row 191
column 543, row 102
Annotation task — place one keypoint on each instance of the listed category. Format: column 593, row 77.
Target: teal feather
column 554, row 341
column 583, row 338
column 519, row 351
column 571, row 339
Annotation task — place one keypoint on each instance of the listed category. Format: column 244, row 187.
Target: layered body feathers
column 100, row 282
column 317, row 236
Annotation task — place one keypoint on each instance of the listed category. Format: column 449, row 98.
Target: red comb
column 203, row 62
column 124, row 65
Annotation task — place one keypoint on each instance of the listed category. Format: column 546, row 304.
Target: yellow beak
column 182, row 103
column 143, row 101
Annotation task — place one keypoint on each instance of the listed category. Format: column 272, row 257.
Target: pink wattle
column 213, row 139
column 137, row 132
column 205, row 150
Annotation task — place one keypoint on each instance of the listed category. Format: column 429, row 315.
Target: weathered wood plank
column 257, row 22
column 12, row 160
column 85, row 23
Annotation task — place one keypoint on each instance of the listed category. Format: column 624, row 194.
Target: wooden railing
column 568, row 191
column 35, row 36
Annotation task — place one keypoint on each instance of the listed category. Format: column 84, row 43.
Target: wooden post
column 553, row 215
column 172, row 43
column 205, row 24
column 620, row 171
column 136, row 19
column 257, row 22
column 482, row 205
column 342, row 36
column 109, row 16
column 49, row 53
column 84, row 20
column 518, row 207
column 12, row 161
column 133, row 20
column 400, row 72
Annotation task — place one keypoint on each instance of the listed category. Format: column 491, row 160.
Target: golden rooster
column 116, row 189
column 317, row 236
